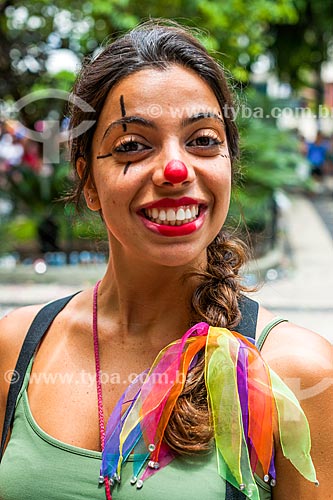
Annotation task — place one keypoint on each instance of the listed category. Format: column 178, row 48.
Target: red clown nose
column 175, row 171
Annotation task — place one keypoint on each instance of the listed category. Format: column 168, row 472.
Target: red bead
column 175, row 171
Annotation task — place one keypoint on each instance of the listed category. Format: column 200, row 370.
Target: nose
column 170, row 170
column 175, row 172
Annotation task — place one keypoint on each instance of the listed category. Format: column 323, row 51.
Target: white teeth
column 162, row 215
column 154, row 213
column 173, row 216
column 180, row 215
column 189, row 213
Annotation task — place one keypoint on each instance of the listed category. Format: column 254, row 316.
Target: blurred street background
column 279, row 57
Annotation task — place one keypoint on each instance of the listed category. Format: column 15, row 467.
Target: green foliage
column 299, row 63
column 31, row 31
column 269, row 161
column 89, row 226
column 21, row 229
column 34, row 192
column 16, row 231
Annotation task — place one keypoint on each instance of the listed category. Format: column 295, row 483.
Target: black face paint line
column 127, row 167
column 123, row 111
column 225, row 156
column 103, row 156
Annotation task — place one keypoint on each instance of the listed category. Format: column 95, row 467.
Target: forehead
column 174, row 91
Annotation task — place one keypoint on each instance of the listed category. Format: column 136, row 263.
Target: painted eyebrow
column 129, row 119
column 201, row 116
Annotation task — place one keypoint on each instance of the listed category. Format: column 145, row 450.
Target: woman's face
column 150, row 119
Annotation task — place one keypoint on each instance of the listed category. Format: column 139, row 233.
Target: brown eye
column 130, row 146
column 205, row 141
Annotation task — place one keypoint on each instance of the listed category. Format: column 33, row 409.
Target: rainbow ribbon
column 243, row 396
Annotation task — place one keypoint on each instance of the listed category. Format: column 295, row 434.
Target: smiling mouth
column 172, row 216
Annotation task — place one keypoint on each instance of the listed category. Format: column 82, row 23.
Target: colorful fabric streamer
column 243, row 396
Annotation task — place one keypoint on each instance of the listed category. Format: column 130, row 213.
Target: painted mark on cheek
column 225, row 156
column 103, row 156
column 123, row 111
column 127, row 167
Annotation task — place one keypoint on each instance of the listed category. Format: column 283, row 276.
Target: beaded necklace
column 102, row 479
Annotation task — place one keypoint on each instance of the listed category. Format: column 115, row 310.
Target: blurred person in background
column 316, row 154
column 11, row 146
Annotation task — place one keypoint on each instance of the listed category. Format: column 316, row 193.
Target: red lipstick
column 168, row 230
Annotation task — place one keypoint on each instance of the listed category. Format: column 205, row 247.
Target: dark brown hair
column 158, row 44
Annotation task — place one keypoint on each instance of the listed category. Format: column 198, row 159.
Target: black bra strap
column 248, row 324
column 38, row 328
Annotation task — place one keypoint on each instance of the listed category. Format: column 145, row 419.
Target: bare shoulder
column 293, row 350
column 15, row 325
column 304, row 360
column 13, row 328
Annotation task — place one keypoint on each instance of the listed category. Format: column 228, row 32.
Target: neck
column 147, row 299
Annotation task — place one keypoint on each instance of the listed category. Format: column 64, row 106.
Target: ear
column 89, row 189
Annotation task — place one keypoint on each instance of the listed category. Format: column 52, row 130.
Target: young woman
column 210, row 420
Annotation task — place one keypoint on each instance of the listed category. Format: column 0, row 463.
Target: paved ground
column 304, row 294
column 324, row 207
column 22, row 286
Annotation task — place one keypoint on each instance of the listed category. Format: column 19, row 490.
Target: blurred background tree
column 37, row 34
column 299, row 49
column 42, row 45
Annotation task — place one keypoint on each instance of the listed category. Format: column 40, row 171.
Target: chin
column 180, row 257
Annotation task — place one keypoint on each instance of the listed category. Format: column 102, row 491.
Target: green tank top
column 35, row 466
